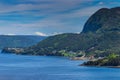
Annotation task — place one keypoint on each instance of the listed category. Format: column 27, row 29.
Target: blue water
column 18, row 67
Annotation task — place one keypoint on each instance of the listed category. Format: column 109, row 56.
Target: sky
column 48, row 17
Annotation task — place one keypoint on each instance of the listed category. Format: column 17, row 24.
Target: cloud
column 41, row 34
column 41, row 7
column 101, row 3
column 48, row 16
column 10, row 34
column 52, row 25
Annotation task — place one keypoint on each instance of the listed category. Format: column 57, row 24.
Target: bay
column 20, row 67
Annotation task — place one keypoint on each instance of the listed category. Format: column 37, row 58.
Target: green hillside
column 19, row 40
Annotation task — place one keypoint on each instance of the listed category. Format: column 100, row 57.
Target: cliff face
column 100, row 37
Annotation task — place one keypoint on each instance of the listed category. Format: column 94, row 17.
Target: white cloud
column 77, row 32
column 56, row 33
column 41, row 34
column 101, row 3
column 10, row 34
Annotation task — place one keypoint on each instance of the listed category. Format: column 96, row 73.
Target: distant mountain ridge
column 19, row 40
column 100, row 37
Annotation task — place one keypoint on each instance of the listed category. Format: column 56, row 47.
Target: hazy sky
column 47, row 17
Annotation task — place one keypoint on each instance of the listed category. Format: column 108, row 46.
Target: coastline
column 100, row 66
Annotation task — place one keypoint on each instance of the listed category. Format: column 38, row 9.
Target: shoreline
column 100, row 66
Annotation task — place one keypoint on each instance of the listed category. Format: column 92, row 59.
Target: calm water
column 16, row 67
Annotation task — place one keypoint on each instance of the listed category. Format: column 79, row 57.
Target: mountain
column 100, row 37
column 103, row 20
column 105, row 24
column 19, row 40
